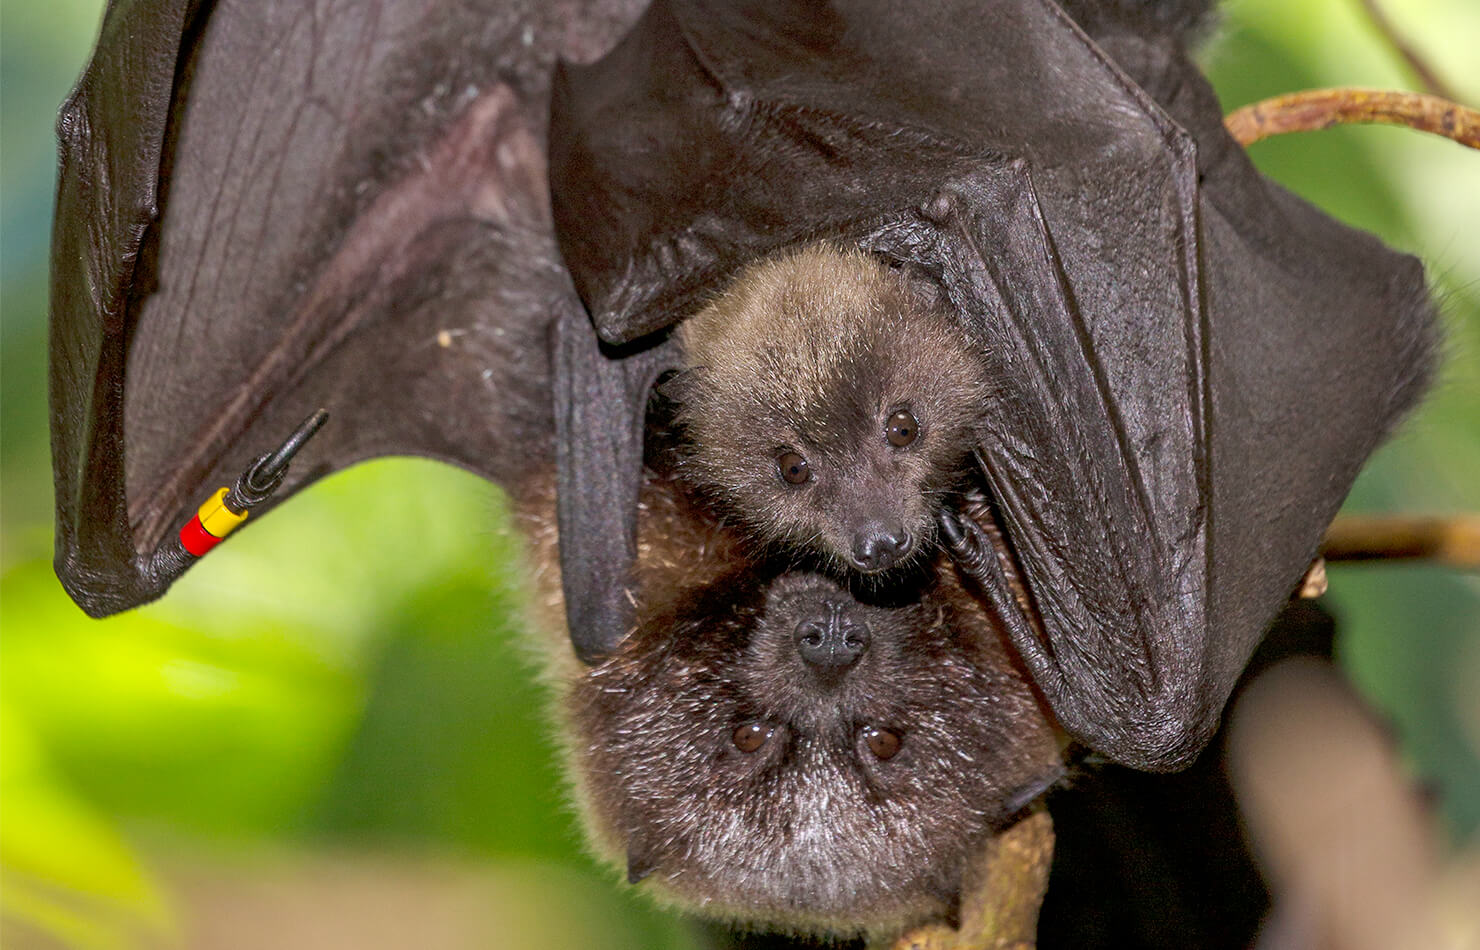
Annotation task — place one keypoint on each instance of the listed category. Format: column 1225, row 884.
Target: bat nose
column 833, row 639
column 878, row 546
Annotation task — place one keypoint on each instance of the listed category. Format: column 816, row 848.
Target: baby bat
column 830, row 404
column 772, row 748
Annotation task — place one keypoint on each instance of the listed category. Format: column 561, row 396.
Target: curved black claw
column 967, row 543
column 264, row 475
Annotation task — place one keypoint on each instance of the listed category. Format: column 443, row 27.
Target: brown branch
column 1001, row 895
column 1323, row 108
column 1453, row 541
column 1426, row 76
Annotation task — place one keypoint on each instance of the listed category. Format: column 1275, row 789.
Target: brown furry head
column 830, row 405
column 746, row 777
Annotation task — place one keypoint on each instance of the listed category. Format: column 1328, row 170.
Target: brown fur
column 811, row 832
column 811, row 352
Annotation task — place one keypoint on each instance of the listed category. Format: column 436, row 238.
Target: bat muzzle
column 834, row 638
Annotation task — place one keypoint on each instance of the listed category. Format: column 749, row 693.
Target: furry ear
column 662, row 447
column 640, row 861
column 923, row 287
column 680, row 385
column 949, row 894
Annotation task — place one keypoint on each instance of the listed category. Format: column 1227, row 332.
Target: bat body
column 830, row 406
column 766, row 747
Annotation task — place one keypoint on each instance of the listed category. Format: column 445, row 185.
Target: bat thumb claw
column 951, row 528
column 965, row 542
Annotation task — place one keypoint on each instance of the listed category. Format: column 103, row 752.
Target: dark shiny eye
column 751, row 736
column 902, row 428
column 793, row 467
column 883, row 743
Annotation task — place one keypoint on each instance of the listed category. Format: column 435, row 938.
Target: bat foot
column 964, row 539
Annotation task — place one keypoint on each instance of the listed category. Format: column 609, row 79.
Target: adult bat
column 766, row 747
column 350, row 228
column 1157, row 526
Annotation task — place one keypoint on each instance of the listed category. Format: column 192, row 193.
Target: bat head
column 785, row 753
column 830, row 405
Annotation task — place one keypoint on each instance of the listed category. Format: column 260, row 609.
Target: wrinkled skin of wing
column 270, row 207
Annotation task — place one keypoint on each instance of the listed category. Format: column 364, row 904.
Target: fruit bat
column 363, row 226
column 766, row 746
column 266, row 209
column 830, row 407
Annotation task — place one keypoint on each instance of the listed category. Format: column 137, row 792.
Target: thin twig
column 1453, row 541
column 1426, row 76
column 1323, row 108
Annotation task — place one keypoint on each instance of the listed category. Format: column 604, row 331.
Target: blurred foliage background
column 363, row 718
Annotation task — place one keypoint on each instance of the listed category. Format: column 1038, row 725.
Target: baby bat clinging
column 830, row 403
column 773, row 749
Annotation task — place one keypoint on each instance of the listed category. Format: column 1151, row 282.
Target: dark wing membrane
column 1098, row 480
column 599, row 422
column 111, row 137
column 352, row 214
column 1159, row 317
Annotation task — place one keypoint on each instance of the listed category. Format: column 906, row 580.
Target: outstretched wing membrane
column 275, row 207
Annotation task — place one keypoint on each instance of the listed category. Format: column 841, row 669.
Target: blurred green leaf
column 457, row 727
column 148, row 719
column 67, row 871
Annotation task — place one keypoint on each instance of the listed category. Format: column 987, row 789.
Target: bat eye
column 751, row 736
column 901, row 428
column 883, row 743
column 793, row 467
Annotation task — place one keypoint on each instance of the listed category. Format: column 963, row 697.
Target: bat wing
column 269, row 208
column 1191, row 364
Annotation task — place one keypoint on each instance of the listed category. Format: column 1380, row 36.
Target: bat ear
column 950, row 897
column 641, row 861
column 924, row 286
column 679, row 386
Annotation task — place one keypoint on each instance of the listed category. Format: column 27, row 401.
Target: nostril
column 877, row 547
column 811, row 633
column 833, row 644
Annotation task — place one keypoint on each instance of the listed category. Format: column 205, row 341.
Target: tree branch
column 1001, row 895
column 1323, row 108
column 1453, row 541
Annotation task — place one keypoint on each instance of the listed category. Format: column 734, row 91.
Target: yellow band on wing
column 216, row 518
